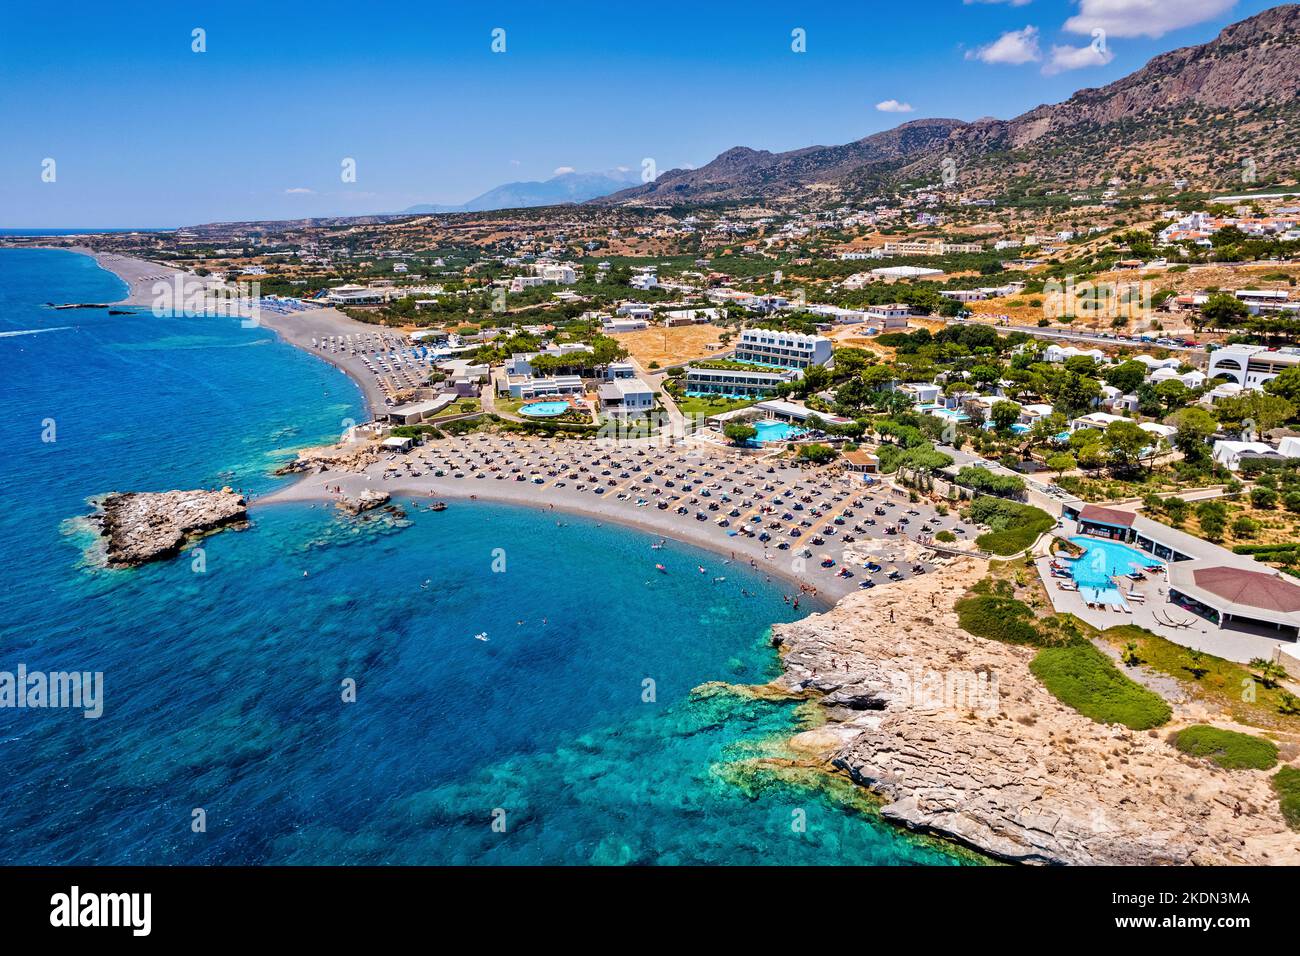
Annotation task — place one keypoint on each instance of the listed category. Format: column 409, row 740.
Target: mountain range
column 1223, row 112
column 562, row 188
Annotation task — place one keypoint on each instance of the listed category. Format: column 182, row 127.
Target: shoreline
column 529, row 471
column 816, row 604
column 140, row 275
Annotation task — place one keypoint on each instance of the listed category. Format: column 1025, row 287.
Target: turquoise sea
column 570, row 735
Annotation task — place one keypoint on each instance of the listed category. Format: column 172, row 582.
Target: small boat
column 661, row 569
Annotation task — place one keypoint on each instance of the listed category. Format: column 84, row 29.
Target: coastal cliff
column 138, row 527
column 960, row 739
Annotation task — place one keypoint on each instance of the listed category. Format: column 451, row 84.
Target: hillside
column 1201, row 112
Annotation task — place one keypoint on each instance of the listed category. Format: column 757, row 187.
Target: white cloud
column 514, row 162
column 893, row 106
column 299, row 191
column 1014, row 3
column 561, row 170
column 1077, row 58
column 1142, row 18
column 1014, row 47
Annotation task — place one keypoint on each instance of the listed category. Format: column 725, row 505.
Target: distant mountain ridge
column 563, row 188
column 1202, row 110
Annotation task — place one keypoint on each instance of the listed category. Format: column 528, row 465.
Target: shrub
column 1287, row 784
column 947, row 537
column 1013, row 526
column 986, row 482
column 1263, row 497
column 1227, row 748
column 998, row 619
column 1245, row 527
column 1082, row 677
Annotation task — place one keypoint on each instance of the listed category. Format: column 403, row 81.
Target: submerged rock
column 144, row 526
column 367, row 500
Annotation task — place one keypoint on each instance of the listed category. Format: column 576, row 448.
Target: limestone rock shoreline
column 138, row 527
column 960, row 740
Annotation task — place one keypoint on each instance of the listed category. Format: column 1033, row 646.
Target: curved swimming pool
column 774, row 431
column 1102, row 560
column 544, row 409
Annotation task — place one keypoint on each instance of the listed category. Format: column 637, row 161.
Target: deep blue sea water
column 223, row 687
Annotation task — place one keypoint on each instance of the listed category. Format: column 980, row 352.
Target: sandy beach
column 683, row 493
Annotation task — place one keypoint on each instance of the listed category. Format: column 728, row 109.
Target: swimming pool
column 544, row 409
column 773, row 431
column 1103, row 560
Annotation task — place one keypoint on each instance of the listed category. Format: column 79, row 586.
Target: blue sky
column 146, row 132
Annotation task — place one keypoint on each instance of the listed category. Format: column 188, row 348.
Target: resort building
column 1097, row 420
column 626, row 396
column 1232, row 454
column 1238, row 598
column 921, row 393
column 892, row 316
column 906, row 272
column 733, row 379
column 1251, row 365
column 1228, row 590
column 862, row 462
column 354, row 295
column 520, row 363
column 786, row 349
column 412, row 413
column 528, row 387
column 620, row 370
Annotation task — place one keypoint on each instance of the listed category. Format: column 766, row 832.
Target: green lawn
column 1084, row 678
column 1227, row 748
column 689, row 405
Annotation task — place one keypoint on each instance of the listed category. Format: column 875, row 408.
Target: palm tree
column 1267, row 671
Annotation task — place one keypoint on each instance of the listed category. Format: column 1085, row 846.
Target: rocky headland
column 138, row 527
column 958, row 738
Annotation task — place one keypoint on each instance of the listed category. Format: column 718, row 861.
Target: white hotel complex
column 787, row 349
column 1252, row 365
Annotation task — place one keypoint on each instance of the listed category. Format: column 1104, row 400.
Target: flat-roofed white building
column 786, row 349
column 526, row 386
column 739, row 381
column 626, row 396
column 891, row 316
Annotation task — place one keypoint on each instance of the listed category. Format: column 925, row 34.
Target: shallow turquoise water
column 774, row 431
column 224, row 684
column 544, row 409
column 1103, row 560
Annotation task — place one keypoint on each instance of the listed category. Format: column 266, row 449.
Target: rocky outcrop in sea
column 138, row 527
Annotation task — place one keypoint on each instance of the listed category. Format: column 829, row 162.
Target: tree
column 1124, row 443
column 1061, row 463
column 1075, row 394
column 1195, row 426
column 1221, row 311
column 1286, row 386
column 1126, row 376
column 817, row 454
column 1004, row 414
column 1213, row 518
column 1173, row 394
column 738, row 433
